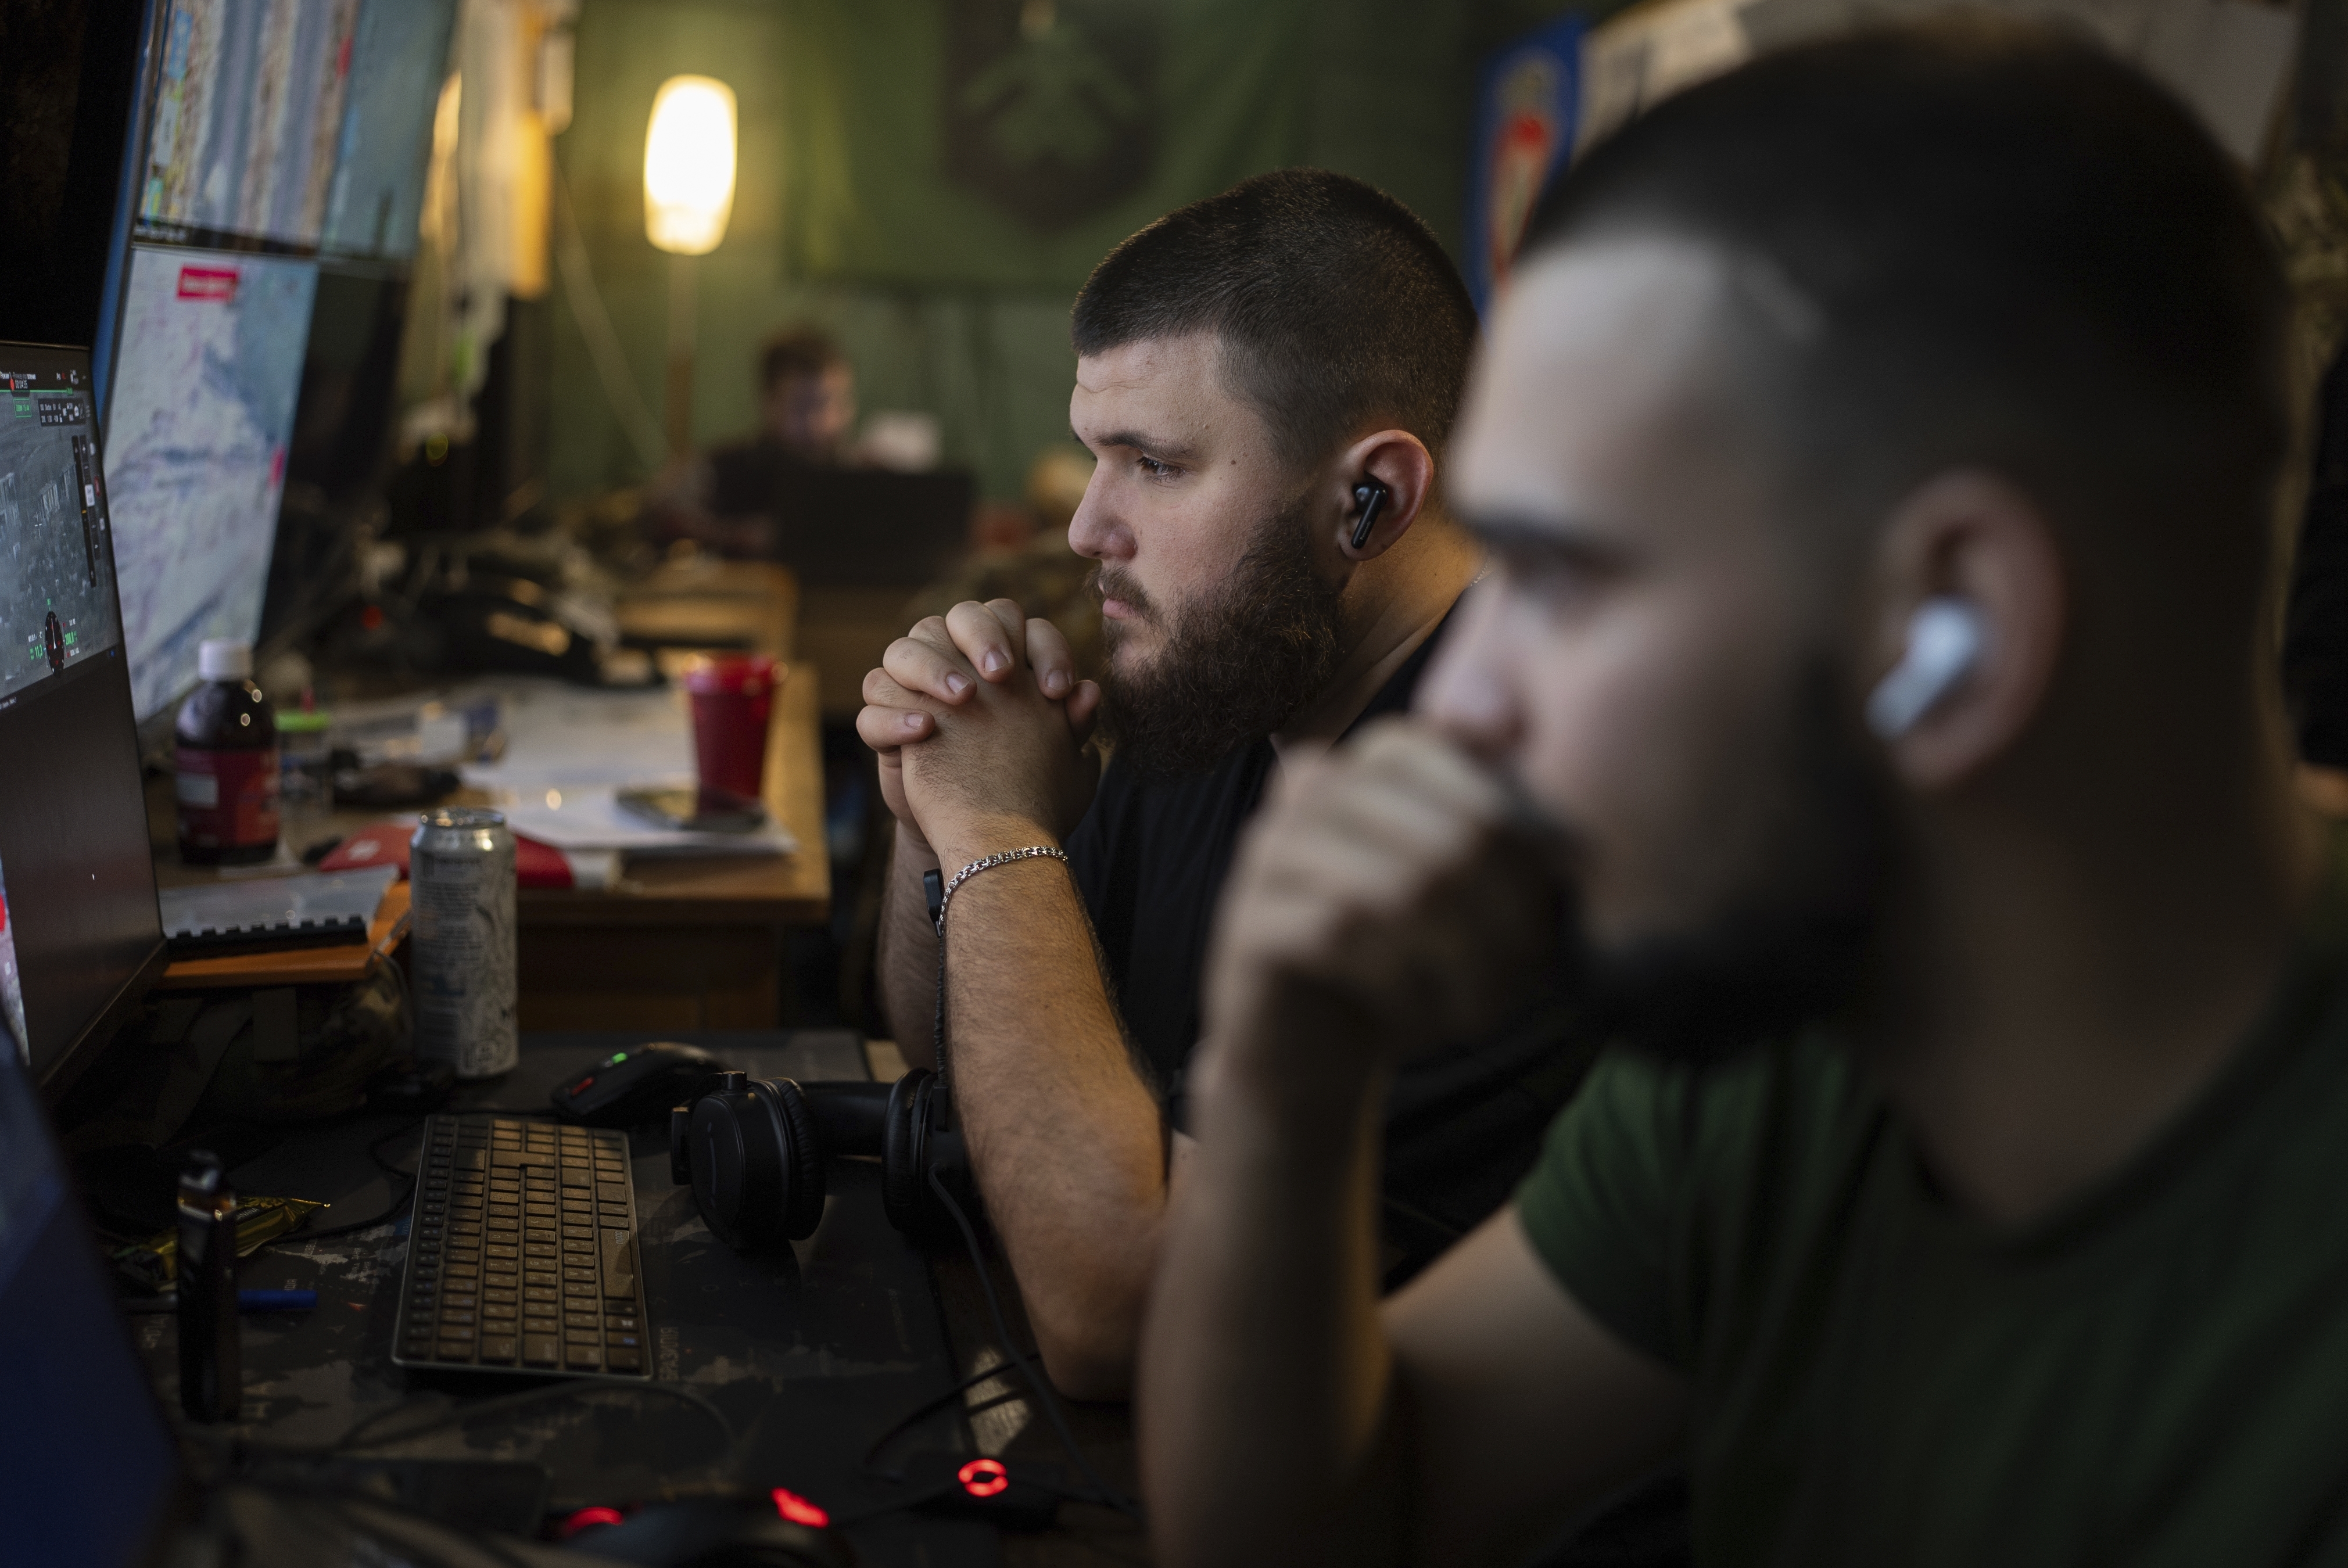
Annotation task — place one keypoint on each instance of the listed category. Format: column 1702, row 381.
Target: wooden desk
column 690, row 942
column 701, row 601
column 679, row 943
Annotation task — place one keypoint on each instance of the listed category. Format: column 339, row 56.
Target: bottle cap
column 223, row 659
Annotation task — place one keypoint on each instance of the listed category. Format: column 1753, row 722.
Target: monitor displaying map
column 248, row 115
column 399, row 57
column 201, row 414
column 56, row 569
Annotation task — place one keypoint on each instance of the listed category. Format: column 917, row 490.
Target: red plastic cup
column 733, row 700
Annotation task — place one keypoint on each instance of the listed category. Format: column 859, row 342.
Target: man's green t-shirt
column 2155, row 1374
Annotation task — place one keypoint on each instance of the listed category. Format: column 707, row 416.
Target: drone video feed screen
column 202, row 412
column 77, row 884
column 57, row 591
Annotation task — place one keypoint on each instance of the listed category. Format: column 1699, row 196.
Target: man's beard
column 1795, row 946
column 1235, row 664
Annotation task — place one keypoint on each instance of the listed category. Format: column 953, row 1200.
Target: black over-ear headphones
column 753, row 1150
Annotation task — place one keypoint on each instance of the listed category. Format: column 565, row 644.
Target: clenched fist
column 1393, row 898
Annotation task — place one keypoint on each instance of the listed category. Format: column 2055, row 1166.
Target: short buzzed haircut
column 1990, row 244
column 796, row 351
column 1337, row 310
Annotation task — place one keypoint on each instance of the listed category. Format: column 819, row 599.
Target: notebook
column 274, row 912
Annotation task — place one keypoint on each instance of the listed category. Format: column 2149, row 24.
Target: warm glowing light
column 798, row 1509
column 554, row 800
column 983, row 1476
column 689, row 165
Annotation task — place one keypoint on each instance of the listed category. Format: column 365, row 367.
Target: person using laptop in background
column 731, row 497
column 1253, row 372
column 1877, row 447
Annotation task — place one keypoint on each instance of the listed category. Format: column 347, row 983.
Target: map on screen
column 248, row 110
column 201, row 411
column 56, row 569
column 399, row 56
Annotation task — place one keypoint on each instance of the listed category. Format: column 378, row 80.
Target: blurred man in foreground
column 1877, row 449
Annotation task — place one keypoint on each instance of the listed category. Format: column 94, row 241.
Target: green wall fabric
column 869, row 86
column 845, row 213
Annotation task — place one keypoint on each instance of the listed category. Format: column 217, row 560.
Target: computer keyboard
column 521, row 1252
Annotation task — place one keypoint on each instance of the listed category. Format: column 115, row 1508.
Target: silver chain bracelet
column 1032, row 852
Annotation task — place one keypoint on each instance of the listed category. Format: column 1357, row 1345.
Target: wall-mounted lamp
column 688, row 197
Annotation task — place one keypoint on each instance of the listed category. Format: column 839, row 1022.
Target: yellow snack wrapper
column 259, row 1221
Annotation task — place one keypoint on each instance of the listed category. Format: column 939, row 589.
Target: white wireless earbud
column 1946, row 638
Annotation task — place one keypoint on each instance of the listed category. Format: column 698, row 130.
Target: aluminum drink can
column 460, row 871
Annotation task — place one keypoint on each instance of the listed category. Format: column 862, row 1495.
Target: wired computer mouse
column 638, row 1084
column 708, row 1533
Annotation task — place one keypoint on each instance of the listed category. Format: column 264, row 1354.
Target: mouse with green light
column 638, row 1084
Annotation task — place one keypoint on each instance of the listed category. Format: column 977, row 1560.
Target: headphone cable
column 1041, row 1384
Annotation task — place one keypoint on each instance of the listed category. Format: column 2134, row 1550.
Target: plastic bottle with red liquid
column 226, row 756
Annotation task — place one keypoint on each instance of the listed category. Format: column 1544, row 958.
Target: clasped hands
column 981, row 727
column 1392, row 895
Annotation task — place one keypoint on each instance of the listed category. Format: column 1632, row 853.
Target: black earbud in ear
column 1370, row 496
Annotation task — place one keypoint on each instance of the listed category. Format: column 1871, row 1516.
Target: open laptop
column 80, row 939
column 871, row 527
column 90, row 1474
column 84, row 1450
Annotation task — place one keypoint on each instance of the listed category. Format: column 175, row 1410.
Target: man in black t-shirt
column 1254, row 372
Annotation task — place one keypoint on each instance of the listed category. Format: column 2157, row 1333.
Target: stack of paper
column 569, row 752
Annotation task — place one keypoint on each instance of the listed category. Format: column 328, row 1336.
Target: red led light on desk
column 587, row 1519
column 983, row 1476
column 798, row 1509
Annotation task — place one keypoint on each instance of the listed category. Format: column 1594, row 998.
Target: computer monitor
column 400, row 65
column 80, row 936
column 264, row 138
column 342, row 447
column 248, row 115
column 199, row 422
column 92, row 1472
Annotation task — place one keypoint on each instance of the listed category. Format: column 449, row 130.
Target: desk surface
column 811, row 1355
column 787, row 890
column 793, row 889
column 677, row 943
column 701, row 600
column 697, row 601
